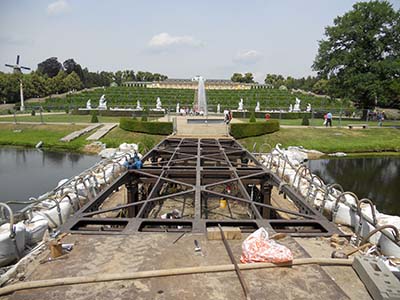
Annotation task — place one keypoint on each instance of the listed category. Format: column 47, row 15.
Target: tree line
column 54, row 77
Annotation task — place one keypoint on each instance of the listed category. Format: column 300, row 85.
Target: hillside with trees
column 54, row 77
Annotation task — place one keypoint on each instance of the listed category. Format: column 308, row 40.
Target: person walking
column 328, row 119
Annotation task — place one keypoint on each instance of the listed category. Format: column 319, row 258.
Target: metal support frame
column 193, row 174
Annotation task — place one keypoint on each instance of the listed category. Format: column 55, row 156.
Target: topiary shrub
column 94, row 117
column 33, row 113
column 242, row 130
column 144, row 118
column 252, row 118
column 162, row 128
column 305, row 121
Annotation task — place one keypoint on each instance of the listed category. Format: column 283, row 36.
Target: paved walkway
column 101, row 132
column 78, row 133
column 202, row 129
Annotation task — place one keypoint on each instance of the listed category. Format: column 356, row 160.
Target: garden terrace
column 127, row 97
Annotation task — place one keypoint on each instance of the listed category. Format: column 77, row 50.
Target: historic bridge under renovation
column 192, row 176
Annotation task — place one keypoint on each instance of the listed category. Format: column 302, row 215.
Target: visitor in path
column 380, row 118
column 226, row 116
column 229, row 116
column 328, row 119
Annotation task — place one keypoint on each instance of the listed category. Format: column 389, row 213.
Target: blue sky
column 177, row 38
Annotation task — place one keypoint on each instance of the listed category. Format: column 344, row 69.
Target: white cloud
column 164, row 40
column 58, row 7
column 247, row 57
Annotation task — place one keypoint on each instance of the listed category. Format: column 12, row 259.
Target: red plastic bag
column 258, row 248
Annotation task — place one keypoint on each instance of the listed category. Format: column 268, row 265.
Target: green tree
column 275, row 80
column 118, row 78
column 248, row 78
column 320, row 87
column 50, row 67
column 361, row 53
column 94, row 119
column 72, row 82
column 71, row 66
column 252, row 118
column 56, row 84
column 237, row 77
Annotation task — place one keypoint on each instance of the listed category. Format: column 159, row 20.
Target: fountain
column 201, row 105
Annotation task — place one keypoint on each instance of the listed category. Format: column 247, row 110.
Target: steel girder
column 193, row 174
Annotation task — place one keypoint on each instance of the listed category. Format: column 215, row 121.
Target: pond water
column 28, row 173
column 375, row 178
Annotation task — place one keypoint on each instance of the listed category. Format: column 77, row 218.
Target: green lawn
column 118, row 136
column 335, row 122
column 64, row 118
column 323, row 139
column 330, row 139
column 24, row 135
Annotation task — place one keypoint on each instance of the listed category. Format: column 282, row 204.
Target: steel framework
column 198, row 177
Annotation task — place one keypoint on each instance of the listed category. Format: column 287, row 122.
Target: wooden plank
column 280, row 202
column 78, row 133
column 101, row 132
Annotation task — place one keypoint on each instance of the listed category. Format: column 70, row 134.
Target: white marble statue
column 102, row 102
column 308, row 107
column 218, row 108
column 158, row 104
column 290, row 108
column 138, row 107
column 88, row 105
column 240, row 104
column 177, row 108
column 296, row 107
column 257, row 107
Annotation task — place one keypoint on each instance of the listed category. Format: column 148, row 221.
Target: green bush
column 305, row 121
column 242, row 130
column 33, row 113
column 94, row 117
column 162, row 128
column 252, row 118
column 144, row 118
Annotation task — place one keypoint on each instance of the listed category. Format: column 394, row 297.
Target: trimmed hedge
column 162, row 128
column 242, row 130
column 273, row 115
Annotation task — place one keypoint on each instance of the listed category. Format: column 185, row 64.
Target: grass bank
column 62, row 118
column 330, row 140
column 327, row 140
column 28, row 135
column 118, row 136
column 24, row 135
